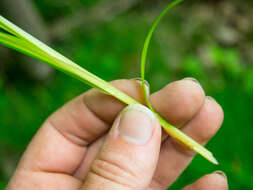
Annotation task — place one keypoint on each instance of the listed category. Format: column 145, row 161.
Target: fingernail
column 136, row 124
column 221, row 173
column 210, row 98
column 139, row 80
column 192, row 80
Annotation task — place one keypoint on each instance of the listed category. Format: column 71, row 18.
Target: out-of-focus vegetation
column 209, row 40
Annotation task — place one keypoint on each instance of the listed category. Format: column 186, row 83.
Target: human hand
column 76, row 148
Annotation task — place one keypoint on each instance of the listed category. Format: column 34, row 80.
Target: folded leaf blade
column 25, row 43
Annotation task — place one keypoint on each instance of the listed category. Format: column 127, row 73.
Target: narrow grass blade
column 146, row 45
column 172, row 131
column 62, row 63
column 25, row 43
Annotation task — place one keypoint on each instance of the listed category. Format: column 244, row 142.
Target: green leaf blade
column 146, row 45
column 27, row 44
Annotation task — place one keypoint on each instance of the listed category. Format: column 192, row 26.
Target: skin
column 77, row 148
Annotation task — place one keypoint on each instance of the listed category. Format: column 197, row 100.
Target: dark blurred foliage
column 209, row 40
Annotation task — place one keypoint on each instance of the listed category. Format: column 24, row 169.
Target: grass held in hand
column 15, row 38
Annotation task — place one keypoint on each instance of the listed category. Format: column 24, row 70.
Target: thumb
column 129, row 155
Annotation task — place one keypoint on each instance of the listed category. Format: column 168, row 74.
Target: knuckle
column 113, row 172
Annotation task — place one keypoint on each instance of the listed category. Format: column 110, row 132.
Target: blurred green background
column 210, row 40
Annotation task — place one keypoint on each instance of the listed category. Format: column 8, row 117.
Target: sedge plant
column 15, row 38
